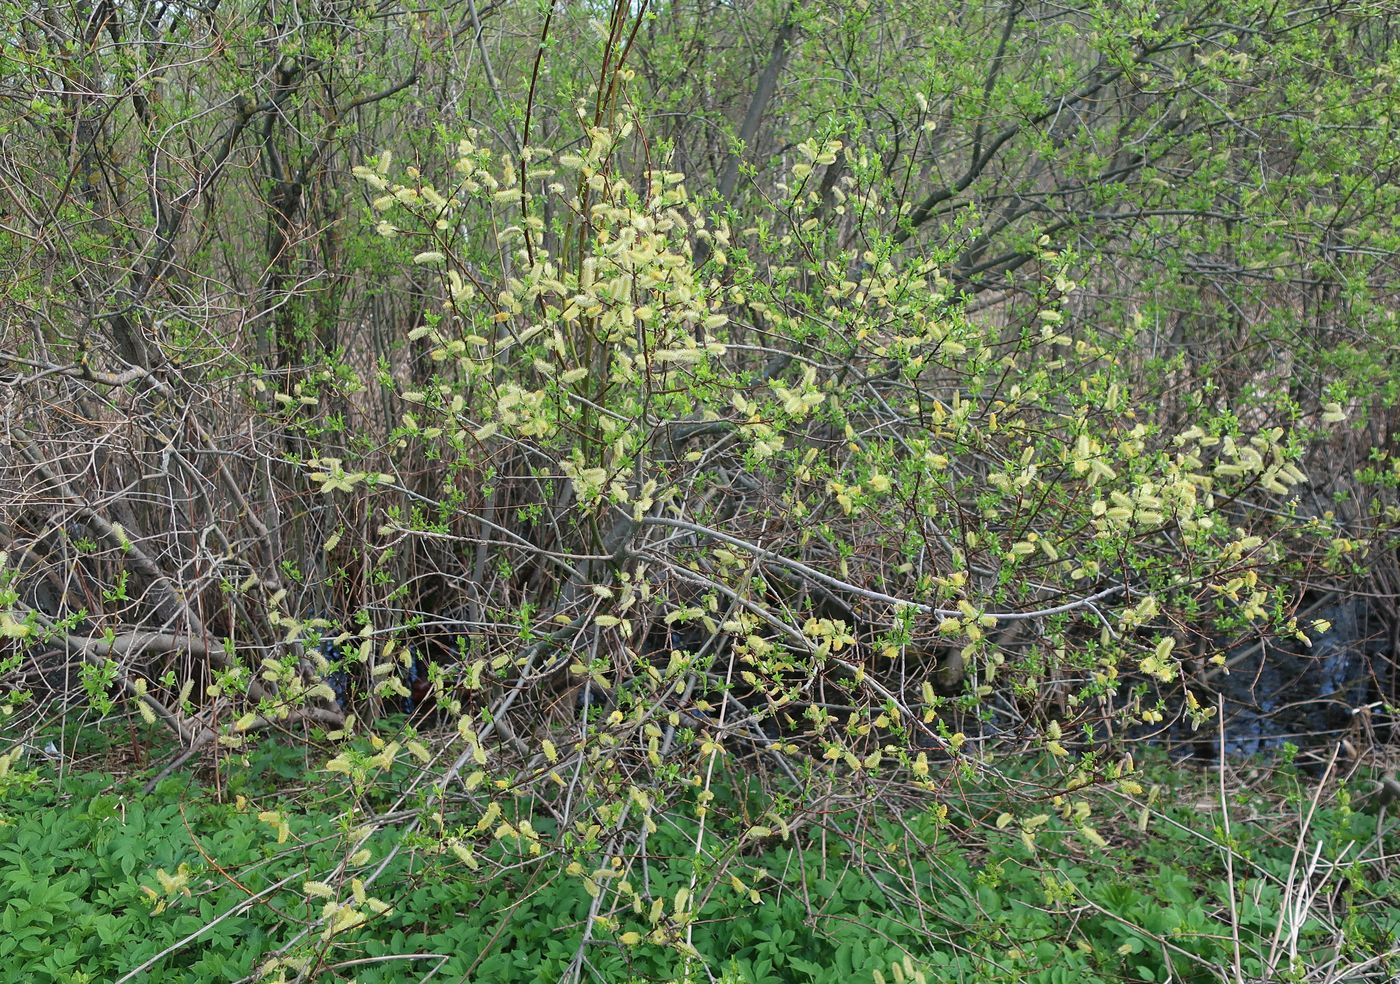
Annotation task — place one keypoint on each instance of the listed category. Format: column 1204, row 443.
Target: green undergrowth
column 96, row 880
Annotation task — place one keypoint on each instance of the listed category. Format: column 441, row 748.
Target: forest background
column 611, row 453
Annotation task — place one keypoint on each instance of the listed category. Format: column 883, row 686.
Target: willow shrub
column 765, row 515
column 761, row 528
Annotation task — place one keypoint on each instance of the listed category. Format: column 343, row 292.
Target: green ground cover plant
column 665, row 489
column 100, row 882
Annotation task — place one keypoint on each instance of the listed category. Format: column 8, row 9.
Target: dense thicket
column 852, row 391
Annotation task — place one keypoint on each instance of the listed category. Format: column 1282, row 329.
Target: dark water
column 1280, row 691
column 348, row 681
column 1276, row 693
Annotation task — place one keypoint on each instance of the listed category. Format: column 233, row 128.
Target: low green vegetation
column 192, row 883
